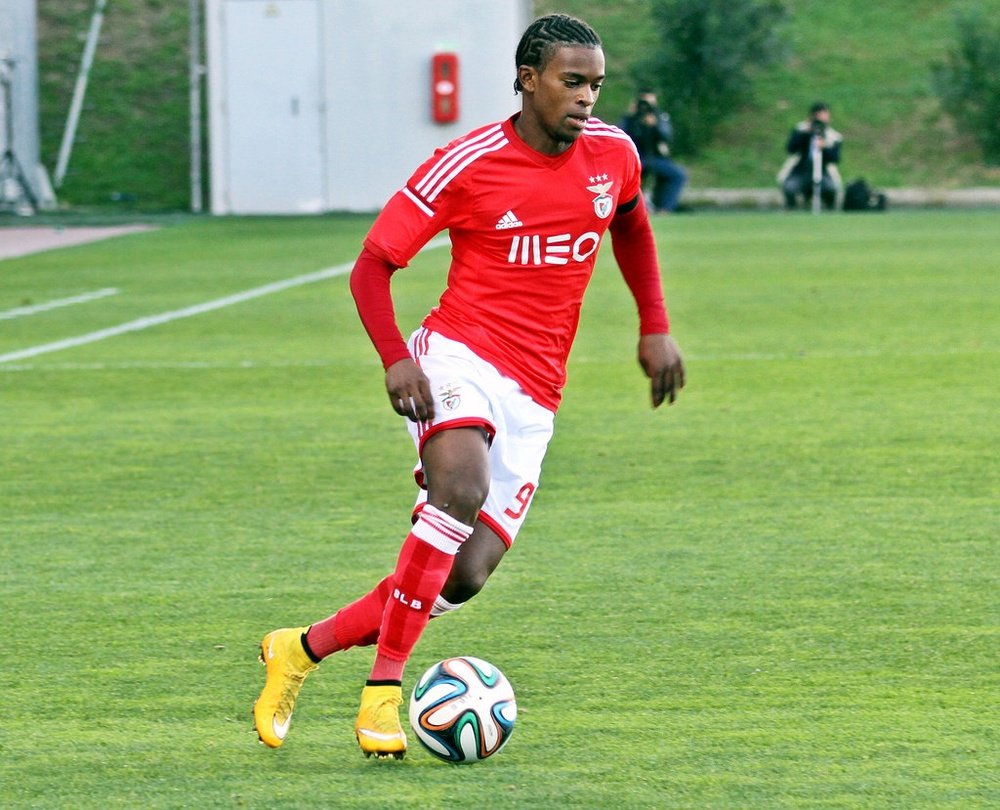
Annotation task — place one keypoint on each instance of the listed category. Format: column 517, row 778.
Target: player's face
column 560, row 99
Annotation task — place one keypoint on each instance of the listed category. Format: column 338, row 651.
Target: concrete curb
column 767, row 198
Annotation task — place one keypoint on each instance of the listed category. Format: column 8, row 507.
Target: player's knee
column 457, row 471
column 461, row 497
column 465, row 583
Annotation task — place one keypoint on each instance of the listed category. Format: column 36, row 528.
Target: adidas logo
column 509, row 220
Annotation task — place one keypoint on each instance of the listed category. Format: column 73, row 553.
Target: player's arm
column 407, row 386
column 635, row 251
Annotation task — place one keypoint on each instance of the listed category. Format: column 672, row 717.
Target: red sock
column 354, row 625
column 424, row 563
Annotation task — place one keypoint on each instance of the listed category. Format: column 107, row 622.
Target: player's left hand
column 661, row 359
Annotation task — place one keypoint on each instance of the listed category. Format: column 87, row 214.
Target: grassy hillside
column 132, row 141
column 869, row 61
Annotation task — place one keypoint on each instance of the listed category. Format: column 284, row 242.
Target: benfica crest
column 450, row 398
column 603, row 202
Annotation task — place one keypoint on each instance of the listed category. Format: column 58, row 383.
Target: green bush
column 709, row 50
column 968, row 81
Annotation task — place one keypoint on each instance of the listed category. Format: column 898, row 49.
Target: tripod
column 816, row 155
column 11, row 172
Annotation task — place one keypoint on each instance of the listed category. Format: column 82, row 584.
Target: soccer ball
column 463, row 709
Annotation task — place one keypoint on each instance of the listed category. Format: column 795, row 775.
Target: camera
column 643, row 107
column 818, row 129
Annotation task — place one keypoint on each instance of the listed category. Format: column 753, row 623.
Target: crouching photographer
column 813, row 154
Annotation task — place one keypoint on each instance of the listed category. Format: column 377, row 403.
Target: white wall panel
column 370, row 63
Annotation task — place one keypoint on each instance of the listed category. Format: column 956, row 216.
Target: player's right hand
column 409, row 391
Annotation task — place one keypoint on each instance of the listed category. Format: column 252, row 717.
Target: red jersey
column 525, row 229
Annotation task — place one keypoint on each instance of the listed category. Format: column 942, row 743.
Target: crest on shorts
column 603, row 202
column 450, row 397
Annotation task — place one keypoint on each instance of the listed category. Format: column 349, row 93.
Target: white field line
column 19, row 312
column 198, row 309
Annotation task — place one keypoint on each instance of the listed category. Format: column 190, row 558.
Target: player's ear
column 528, row 77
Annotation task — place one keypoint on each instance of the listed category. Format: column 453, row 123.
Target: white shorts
column 469, row 392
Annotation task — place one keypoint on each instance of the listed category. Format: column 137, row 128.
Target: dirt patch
column 22, row 241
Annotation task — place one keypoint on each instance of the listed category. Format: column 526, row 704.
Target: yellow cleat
column 287, row 664
column 377, row 728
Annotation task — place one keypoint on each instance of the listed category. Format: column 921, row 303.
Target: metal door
column 273, row 106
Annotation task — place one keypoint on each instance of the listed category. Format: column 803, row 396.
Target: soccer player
column 526, row 202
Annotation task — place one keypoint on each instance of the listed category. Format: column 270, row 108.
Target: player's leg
column 523, row 431
column 474, row 563
column 290, row 654
column 357, row 624
column 456, row 468
column 354, row 625
column 457, row 474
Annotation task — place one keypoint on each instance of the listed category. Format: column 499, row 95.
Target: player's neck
column 533, row 135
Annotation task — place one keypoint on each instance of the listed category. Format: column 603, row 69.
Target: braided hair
column 545, row 34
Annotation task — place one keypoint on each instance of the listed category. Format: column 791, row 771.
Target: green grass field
column 780, row 592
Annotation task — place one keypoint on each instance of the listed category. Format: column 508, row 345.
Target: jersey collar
column 548, row 161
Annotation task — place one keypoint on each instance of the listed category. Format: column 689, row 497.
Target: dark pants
column 799, row 183
column 668, row 182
